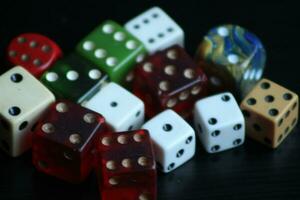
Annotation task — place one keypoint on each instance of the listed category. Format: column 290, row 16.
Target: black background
column 249, row 172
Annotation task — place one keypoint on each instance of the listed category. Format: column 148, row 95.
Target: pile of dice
column 77, row 114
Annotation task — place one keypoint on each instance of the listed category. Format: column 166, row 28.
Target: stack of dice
column 77, row 112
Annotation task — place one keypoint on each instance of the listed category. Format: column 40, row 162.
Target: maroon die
column 34, row 52
column 126, row 166
column 64, row 141
column 169, row 79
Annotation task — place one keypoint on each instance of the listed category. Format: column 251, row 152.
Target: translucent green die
column 74, row 78
column 114, row 50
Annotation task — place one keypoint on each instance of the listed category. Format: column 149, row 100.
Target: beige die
column 271, row 112
column 23, row 100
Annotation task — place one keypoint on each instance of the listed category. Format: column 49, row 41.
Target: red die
column 169, row 79
column 64, row 141
column 34, row 52
column 126, row 166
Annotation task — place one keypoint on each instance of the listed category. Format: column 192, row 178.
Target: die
column 122, row 110
column 74, row 78
column 23, row 101
column 156, row 30
column 271, row 113
column 64, row 141
column 114, row 50
column 126, row 166
column 173, row 140
column 233, row 48
column 169, row 79
column 35, row 52
column 219, row 122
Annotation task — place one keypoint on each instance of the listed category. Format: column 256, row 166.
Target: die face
column 173, row 139
column 271, row 112
column 236, row 49
column 69, row 133
column 122, row 110
column 126, row 155
column 171, row 79
column 74, row 78
column 112, row 49
column 35, row 52
column 156, row 30
column 23, row 100
column 126, row 163
column 220, row 138
column 71, row 125
column 219, row 122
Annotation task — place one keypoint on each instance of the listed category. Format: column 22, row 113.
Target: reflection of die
column 122, row 110
column 271, row 112
column 219, row 122
column 74, row 78
column 64, row 141
column 169, row 79
column 23, row 100
column 35, row 52
column 173, row 139
column 156, row 30
column 126, row 166
column 236, row 50
column 113, row 49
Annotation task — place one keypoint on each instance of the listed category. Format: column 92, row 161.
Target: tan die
column 271, row 112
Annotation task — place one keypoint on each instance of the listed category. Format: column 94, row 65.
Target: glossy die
column 64, row 141
column 219, row 122
column 114, row 50
column 173, row 139
column 169, row 79
column 156, row 30
column 271, row 113
column 35, row 52
column 235, row 49
column 74, row 78
column 23, row 101
column 126, row 166
column 122, row 110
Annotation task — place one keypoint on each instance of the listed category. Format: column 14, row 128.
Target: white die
column 23, row 101
column 173, row 139
column 219, row 122
column 121, row 109
column 156, row 30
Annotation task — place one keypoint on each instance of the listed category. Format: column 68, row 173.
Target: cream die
column 23, row 101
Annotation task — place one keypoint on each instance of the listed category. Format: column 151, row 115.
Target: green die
column 74, row 78
column 114, row 50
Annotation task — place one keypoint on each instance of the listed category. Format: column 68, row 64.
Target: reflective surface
column 246, row 173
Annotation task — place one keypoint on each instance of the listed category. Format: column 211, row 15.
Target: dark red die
column 126, row 166
column 169, row 79
column 64, row 141
column 34, row 52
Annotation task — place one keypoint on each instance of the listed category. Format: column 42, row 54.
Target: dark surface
column 249, row 172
